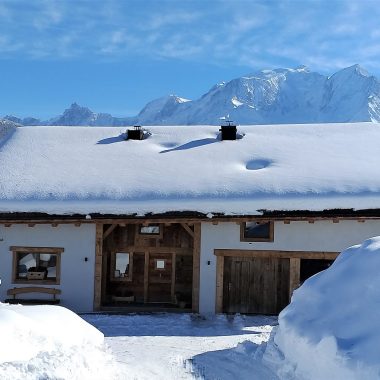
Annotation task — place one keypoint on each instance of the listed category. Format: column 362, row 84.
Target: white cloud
column 250, row 33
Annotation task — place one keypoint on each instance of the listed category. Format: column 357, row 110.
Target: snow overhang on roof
column 64, row 170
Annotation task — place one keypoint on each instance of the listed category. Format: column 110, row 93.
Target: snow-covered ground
column 51, row 343
column 173, row 346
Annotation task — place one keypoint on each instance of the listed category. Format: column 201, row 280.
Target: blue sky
column 114, row 56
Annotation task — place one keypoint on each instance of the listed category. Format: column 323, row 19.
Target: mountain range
column 264, row 97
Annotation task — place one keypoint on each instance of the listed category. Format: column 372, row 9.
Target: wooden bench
column 33, row 289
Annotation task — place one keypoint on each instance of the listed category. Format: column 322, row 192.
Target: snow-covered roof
column 274, row 167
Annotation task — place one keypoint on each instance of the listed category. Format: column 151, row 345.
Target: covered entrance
column 150, row 266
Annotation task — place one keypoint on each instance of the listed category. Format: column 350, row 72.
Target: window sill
column 37, row 282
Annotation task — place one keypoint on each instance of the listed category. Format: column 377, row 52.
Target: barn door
column 255, row 285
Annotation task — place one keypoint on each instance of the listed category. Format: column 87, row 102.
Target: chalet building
column 181, row 218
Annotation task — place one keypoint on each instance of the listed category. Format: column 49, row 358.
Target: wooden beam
column 276, row 254
column 227, row 219
column 162, row 249
column 172, row 289
column 23, row 249
column 146, row 277
column 294, row 275
column 98, row 266
column 109, row 230
column 188, row 229
column 286, row 221
column 219, row 284
column 196, row 267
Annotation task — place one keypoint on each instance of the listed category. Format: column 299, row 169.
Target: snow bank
column 6, row 129
column 49, row 342
column 331, row 329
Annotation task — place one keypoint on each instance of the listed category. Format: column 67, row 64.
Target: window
column 160, row 264
column 36, row 265
column 151, row 231
column 121, row 264
column 256, row 231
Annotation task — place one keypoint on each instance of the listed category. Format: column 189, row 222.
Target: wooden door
column 160, row 277
column 255, row 285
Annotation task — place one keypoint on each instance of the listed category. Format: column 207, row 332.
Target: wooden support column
column 294, row 275
column 146, row 276
column 196, row 266
column 219, row 284
column 172, row 290
column 98, row 266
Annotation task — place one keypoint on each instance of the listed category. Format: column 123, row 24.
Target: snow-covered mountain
column 75, row 115
column 78, row 115
column 6, row 128
column 281, row 96
column 264, row 97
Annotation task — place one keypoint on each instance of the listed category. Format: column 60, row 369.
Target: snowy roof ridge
column 179, row 168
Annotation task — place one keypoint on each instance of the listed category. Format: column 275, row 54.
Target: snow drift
column 6, row 129
column 331, row 329
column 50, row 342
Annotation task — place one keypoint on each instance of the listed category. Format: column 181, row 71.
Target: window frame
column 148, row 235
column 165, row 264
column 270, row 238
column 113, row 267
column 42, row 250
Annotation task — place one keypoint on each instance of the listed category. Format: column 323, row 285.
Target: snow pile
column 6, row 129
column 49, row 342
column 331, row 329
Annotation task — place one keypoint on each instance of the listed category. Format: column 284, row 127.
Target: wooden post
column 294, row 275
column 172, row 290
column 146, row 276
column 219, row 284
column 98, row 266
column 196, row 266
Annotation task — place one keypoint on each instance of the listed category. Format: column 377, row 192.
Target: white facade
column 77, row 274
column 296, row 236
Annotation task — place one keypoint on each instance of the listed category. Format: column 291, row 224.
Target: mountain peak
column 302, row 68
column 75, row 106
column 353, row 70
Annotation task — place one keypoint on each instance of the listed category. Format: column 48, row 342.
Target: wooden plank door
column 160, row 277
column 255, row 285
